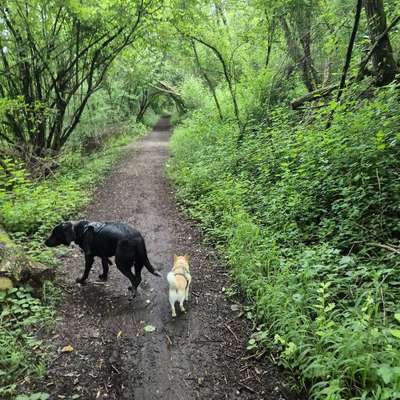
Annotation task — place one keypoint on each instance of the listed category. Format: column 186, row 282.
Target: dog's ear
column 69, row 232
column 175, row 258
column 186, row 257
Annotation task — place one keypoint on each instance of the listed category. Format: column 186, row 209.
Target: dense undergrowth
column 300, row 212
column 29, row 208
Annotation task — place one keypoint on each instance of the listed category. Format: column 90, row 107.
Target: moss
column 5, row 239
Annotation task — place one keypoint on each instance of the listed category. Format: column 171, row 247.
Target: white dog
column 179, row 281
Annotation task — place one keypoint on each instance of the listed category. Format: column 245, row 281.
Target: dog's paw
column 133, row 291
column 103, row 277
column 80, row 280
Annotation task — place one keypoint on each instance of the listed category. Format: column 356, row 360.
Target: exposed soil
column 199, row 355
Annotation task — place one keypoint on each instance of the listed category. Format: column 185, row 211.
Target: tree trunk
column 384, row 65
column 207, row 79
column 143, row 106
column 17, row 269
column 297, row 55
column 312, row 96
column 348, row 59
column 270, row 39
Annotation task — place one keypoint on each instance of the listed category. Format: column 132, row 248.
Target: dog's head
column 181, row 262
column 63, row 233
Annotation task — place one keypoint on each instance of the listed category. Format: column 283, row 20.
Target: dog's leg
column 126, row 270
column 138, row 274
column 181, row 304
column 187, row 292
column 88, row 266
column 172, row 302
column 104, row 261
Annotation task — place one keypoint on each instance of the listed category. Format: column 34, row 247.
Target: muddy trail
column 199, row 355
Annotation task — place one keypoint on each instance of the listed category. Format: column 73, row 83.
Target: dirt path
column 197, row 356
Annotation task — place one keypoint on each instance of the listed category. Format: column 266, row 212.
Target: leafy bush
column 31, row 208
column 150, row 118
column 194, row 93
column 21, row 353
column 300, row 211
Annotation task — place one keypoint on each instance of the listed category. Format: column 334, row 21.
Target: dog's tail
column 143, row 253
column 150, row 267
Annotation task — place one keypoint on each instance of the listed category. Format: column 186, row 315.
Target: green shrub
column 298, row 211
column 31, row 208
column 21, row 352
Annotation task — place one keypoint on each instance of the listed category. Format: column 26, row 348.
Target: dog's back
column 176, row 282
column 105, row 240
column 179, row 281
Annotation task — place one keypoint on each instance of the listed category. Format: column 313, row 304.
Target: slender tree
column 54, row 56
column 383, row 62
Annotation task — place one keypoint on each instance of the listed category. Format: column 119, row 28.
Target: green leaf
column 149, row 328
column 386, row 373
column 395, row 333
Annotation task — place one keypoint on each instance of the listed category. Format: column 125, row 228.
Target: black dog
column 104, row 240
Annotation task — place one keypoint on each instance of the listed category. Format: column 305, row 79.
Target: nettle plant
column 297, row 210
column 21, row 352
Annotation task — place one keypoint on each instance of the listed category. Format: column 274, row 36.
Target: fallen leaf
column 149, row 328
column 67, row 349
column 119, row 334
column 235, row 307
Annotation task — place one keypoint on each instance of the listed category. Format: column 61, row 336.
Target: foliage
column 31, row 208
column 21, row 352
column 296, row 210
column 54, row 56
